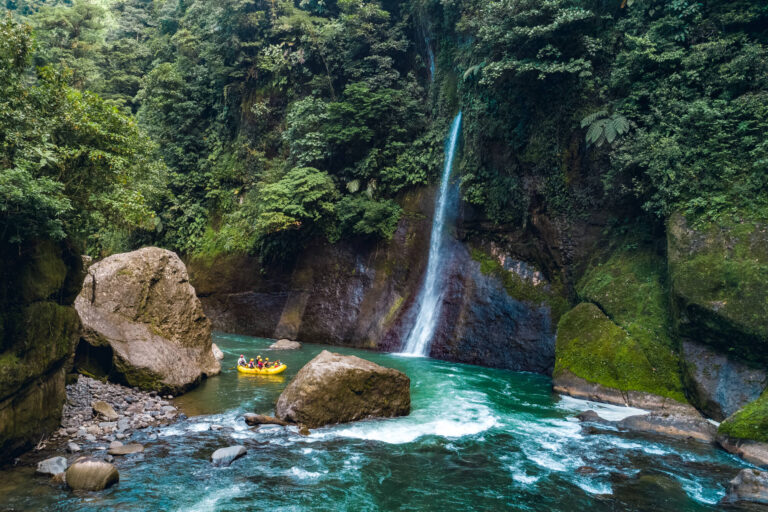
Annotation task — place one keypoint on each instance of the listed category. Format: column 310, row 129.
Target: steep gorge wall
column 499, row 308
column 38, row 331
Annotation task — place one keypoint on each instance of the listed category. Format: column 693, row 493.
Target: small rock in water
column 285, row 344
column 225, row 456
column 168, row 408
column 262, row 419
column 52, row 466
column 216, row 427
column 115, row 444
column 303, row 430
column 91, row 474
column 120, row 436
column 152, row 437
column 73, row 447
column 217, row 353
column 750, row 485
column 109, row 458
column 126, row 449
column 90, row 438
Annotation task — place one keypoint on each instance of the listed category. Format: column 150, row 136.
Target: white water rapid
column 428, row 302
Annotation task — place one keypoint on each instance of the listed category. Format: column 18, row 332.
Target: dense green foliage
column 570, row 106
column 71, row 165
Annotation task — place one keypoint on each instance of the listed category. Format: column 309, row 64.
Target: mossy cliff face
column 38, row 284
column 719, row 284
column 620, row 338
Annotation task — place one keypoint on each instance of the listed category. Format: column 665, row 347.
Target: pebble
column 73, row 447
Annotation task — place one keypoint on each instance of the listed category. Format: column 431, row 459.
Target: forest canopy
column 255, row 125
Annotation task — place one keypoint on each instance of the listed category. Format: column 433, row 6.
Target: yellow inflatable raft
column 262, row 371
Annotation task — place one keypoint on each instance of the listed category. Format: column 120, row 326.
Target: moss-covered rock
column 751, row 422
column 37, row 339
column 629, row 286
column 719, row 283
column 591, row 346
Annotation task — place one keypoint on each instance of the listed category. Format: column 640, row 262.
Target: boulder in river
column 754, row 452
column 52, row 466
column 143, row 323
column 750, row 485
column 91, row 474
column 225, row 456
column 285, row 344
column 334, row 388
column 262, row 419
column 680, row 426
column 217, row 353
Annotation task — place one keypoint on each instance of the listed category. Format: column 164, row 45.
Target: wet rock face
column 718, row 385
column 38, row 332
column 482, row 324
column 750, row 485
column 333, row 388
column 143, row 324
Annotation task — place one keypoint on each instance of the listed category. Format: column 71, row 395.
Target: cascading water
column 431, row 56
column 428, row 303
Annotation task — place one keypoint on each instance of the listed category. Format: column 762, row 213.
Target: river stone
column 52, row 466
column 125, row 449
column 749, row 485
column 717, row 384
column 285, row 344
column 753, row 452
column 139, row 308
column 73, row 447
column 91, row 474
column 225, row 456
column 334, row 388
column 680, row 426
column 105, row 410
column 262, row 419
column 115, row 444
column 217, row 353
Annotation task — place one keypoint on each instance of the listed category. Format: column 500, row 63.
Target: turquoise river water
column 476, row 439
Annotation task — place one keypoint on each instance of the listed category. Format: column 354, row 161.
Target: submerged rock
column 91, row 474
column 125, row 449
column 143, row 322
column 285, row 344
column 225, row 456
column 334, row 388
column 750, row 485
column 52, row 466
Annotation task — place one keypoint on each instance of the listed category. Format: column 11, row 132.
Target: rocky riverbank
column 98, row 413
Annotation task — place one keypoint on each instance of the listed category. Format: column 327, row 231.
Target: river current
column 476, row 439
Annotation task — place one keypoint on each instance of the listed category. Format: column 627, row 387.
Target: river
column 476, row 439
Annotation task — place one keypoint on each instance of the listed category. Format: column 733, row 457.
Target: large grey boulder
column 225, row 456
column 52, row 466
column 334, row 388
column 91, row 474
column 717, row 384
column 750, row 485
column 694, row 427
column 140, row 309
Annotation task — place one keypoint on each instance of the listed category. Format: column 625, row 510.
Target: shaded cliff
column 38, row 330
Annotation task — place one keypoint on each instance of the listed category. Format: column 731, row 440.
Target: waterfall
column 428, row 302
column 431, row 56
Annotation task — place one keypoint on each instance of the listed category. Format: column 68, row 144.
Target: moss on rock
column 719, row 283
column 629, row 286
column 593, row 347
column 750, row 422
